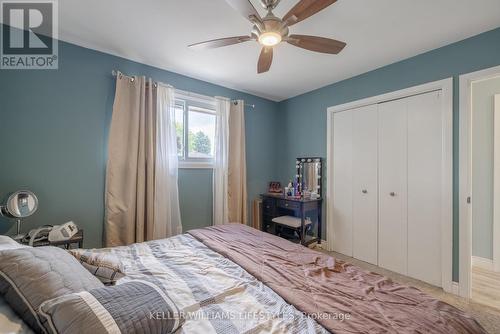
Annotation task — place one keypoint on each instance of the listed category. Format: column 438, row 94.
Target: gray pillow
column 32, row 276
column 136, row 306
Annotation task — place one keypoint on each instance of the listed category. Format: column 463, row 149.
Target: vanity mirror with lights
column 309, row 177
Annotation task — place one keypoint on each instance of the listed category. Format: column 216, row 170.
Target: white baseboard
column 482, row 263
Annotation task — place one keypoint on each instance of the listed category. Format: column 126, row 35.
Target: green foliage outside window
column 200, row 143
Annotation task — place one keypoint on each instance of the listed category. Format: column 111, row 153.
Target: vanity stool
column 292, row 223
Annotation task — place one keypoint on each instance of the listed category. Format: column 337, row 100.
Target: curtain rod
column 235, row 102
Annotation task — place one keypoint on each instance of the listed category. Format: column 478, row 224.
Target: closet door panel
column 424, row 187
column 365, row 184
column 392, row 186
column 342, row 182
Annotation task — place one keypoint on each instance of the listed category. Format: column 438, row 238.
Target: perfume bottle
column 290, row 189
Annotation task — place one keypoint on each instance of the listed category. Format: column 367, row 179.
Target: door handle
column 392, row 194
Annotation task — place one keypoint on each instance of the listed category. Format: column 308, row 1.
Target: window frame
column 198, row 104
column 181, row 103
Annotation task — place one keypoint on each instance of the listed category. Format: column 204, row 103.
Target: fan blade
column 217, row 43
column 265, row 60
column 305, row 8
column 245, row 8
column 318, row 44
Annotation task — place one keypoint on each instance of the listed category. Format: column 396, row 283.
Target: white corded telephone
column 52, row 233
column 37, row 234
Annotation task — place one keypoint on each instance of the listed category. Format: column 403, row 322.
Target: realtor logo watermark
column 29, row 35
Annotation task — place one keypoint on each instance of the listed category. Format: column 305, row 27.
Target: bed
column 235, row 279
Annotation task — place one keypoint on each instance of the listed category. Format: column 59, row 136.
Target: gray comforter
column 214, row 294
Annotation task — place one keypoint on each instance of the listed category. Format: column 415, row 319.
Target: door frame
column 465, row 171
column 446, row 86
column 496, row 190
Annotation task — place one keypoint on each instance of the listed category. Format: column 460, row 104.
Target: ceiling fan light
column 270, row 38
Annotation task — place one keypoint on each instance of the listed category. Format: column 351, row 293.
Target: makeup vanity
column 297, row 217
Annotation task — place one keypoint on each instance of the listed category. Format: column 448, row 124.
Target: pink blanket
column 341, row 297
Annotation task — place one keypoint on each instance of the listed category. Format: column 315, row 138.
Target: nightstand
column 76, row 239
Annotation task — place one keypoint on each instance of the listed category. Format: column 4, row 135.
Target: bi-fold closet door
column 355, row 192
column 387, row 177
column 410, row 186
column 393, row 181
column 365, row 184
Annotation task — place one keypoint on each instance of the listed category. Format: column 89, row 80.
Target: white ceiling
column 377, row 32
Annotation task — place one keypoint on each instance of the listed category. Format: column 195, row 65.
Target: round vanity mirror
column 21, row 204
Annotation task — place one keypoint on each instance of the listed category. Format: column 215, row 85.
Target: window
column 195, row 124
column 201, row 136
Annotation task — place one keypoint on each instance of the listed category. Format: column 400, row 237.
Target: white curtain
column 167, row 213
column 220, row 179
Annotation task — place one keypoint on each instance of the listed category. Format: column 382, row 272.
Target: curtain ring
column 120, row 76
column 132, row 79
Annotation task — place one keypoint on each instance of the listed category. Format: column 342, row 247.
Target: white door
column 425, row 158
column 365, row 184
column 342, row 183
column 496, row 185
column 393, row 186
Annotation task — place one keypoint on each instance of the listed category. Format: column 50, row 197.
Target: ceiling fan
column 271, row 30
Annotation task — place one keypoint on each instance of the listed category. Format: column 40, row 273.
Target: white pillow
column 7, row 242
column 104, row 265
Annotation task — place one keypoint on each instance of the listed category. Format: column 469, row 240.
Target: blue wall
column 304, row 117
column 53, row 130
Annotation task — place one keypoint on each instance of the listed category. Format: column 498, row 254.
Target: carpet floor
column 487, row 316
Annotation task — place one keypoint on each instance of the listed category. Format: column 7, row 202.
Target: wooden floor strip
column 486, row 287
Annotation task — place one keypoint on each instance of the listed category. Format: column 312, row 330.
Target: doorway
column 480, row 187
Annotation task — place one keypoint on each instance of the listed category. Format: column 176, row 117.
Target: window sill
column 195, row 165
